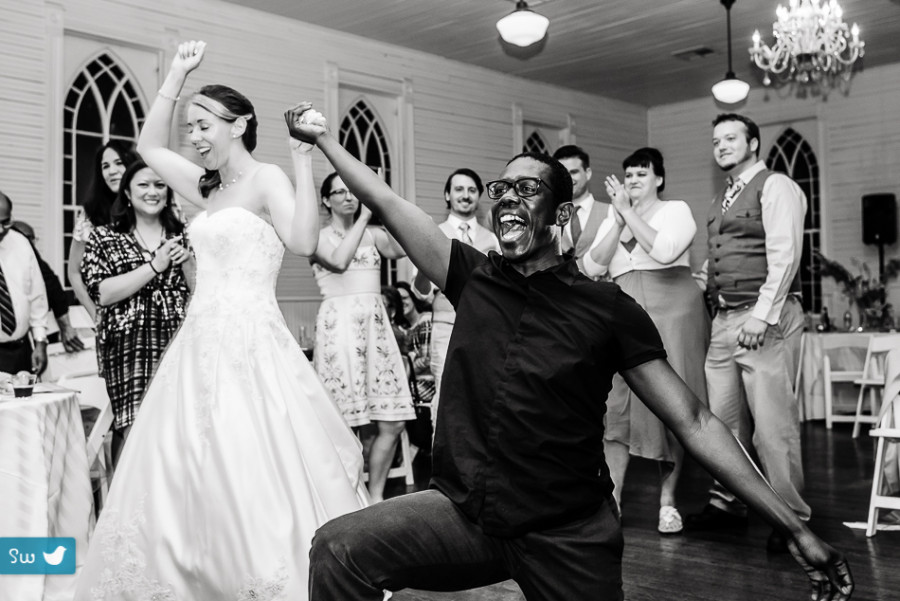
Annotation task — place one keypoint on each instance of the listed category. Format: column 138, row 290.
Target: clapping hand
column 171, row 252
column 178, row 253
column 827, row 570
column 618, row 197
column 365, row 212
column 305, row 125
column 189, row 56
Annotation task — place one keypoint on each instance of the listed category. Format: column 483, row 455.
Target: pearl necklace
column 233, row 181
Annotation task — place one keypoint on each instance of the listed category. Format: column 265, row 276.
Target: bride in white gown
column 237, row 454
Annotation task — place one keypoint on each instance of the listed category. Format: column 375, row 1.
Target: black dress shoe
column 713, row 518
column 777, row 543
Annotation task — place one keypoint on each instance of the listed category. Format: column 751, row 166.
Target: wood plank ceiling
column 621, row 49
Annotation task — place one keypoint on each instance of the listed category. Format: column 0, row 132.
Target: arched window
column 535, row 143
column 791, row 154
column 362, row 135
column 101, row 104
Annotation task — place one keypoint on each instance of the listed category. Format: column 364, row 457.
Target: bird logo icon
column 55, row 558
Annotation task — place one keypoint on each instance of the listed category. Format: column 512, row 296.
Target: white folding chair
column 92, row 392
column 831, row 343
column 887, row 431
column 405, row 469
column 872, row 378
column 60, row 362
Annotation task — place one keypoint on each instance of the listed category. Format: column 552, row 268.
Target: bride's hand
column 305, row 124
column 189, row 56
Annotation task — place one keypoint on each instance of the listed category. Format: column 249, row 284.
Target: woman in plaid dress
column 134, row 271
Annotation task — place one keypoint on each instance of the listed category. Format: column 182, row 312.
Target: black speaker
column 879, row 217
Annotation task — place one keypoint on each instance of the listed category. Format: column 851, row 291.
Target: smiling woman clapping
column 133, row 271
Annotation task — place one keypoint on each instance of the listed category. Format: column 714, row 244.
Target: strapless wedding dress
column 237, row 454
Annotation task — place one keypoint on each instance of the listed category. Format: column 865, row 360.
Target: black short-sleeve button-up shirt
column 519, row 441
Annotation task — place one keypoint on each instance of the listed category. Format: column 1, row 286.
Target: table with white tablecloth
column 45, row 488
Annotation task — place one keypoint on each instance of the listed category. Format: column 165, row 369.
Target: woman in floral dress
column 139, row 308
column 356, row 355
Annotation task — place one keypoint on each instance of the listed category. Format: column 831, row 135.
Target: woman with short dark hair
column 644, row 246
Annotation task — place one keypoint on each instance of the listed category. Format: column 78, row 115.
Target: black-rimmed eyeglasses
column 524, row 187
column 340, row 193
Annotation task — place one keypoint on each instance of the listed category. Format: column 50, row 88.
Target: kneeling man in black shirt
column 520, row 487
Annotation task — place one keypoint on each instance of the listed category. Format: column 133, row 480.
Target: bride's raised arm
column 153, row 144
column 294, row 211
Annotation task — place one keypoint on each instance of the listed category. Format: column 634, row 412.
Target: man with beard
column 755, row 228
column 578, row 236
column 519, row 487
column 462, row 193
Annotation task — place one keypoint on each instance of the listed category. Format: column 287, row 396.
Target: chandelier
column 812, row 45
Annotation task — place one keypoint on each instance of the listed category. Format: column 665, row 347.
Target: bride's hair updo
column 229, row 105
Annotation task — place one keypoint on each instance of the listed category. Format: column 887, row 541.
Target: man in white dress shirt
column 462, row 191
column 23, row 300
column 578, row 236
column 755, row 228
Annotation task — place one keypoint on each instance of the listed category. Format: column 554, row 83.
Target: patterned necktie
column 734, row 188
column 7, row 313
column 464, row 236
column 576, row 226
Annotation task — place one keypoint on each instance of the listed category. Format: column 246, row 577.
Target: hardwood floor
column 725, row 566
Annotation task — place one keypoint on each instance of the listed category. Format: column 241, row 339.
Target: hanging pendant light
column 523, row 27
column 731, row 89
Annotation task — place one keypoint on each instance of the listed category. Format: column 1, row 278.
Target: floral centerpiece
column 866, row 291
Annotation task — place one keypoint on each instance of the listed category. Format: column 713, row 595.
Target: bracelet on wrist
column 165, row 96
column 150, row 263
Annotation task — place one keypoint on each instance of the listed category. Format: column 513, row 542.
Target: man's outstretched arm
column 425, row 244
column 710, row 441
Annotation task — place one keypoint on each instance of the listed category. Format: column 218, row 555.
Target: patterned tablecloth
column 45, row 488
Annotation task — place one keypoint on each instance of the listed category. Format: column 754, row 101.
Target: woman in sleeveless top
column 356, row 354
column 643, row 245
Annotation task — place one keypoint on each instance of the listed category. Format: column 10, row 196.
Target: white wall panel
column 462, row 114
column 859, row 153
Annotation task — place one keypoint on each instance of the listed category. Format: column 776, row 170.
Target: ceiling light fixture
column 812, row 45
column 523, row 27
column 731, row 89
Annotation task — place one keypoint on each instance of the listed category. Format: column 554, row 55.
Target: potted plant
column 867, row 292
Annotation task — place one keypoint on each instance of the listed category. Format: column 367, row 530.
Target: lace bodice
column 238, row 259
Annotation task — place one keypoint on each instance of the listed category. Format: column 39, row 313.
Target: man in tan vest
column 578, row 236
column 462, row 191
column 755, row 228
